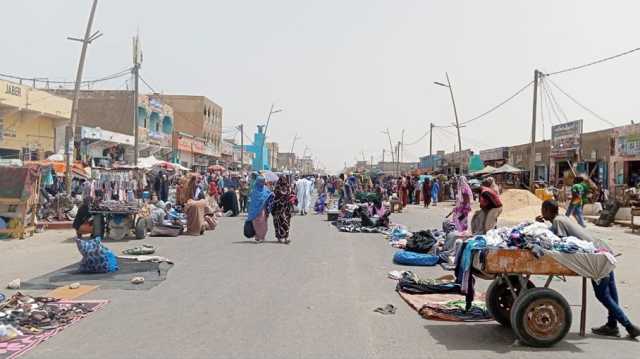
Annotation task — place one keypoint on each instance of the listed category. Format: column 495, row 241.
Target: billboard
column 494, row 154
column 565, row 137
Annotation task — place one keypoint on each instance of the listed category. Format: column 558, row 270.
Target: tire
column 499, row 300
column 540, row 317
column 141, row 229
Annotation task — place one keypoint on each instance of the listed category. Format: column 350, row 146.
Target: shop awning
column 507, row 169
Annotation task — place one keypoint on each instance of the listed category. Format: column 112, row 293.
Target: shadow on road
column 490, row 337
column 254, row 242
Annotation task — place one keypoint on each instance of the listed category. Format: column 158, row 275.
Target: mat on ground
column 447, row 307
column 153, row 274
column 15, row 347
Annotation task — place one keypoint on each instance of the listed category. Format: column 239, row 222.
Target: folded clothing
column 411, row 283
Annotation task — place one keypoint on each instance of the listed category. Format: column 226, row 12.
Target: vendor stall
column 19, row 193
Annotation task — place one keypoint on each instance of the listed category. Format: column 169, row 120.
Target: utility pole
column 532, row 156
column 390, row 145
column 455, row 112
column 372, row 162
column 431, row 146
column 402, row 146
column 70, row 133
column 241, row 128
column 383, row 150
column 398, row 158
column 136, row 93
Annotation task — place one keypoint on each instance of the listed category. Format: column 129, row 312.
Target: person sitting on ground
column 195, row 211
column 82, row 222
column 229, row 201
column 486, row 218
column 606, row 291
column 96, row 258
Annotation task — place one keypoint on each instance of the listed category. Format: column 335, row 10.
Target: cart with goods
column 538, row 316
column 19, row 195
column 115, row 220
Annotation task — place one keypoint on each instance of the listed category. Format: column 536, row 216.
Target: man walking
column 578, row 192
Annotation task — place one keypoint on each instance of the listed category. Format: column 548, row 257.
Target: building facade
column 112, row 112
column 28, row 121
column 201, row 118
column 273, row 149
column 287, row 161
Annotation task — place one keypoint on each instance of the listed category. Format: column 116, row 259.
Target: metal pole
column 402, row 146
column 391, row 146
column 241, row 147
column 383, row 150
column 431, row 146
column 455, row 112
column 136, row 141
column 70, row 134
column 532, row 154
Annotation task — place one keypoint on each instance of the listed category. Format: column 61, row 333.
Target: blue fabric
column 607, row 294
column 415, row 259
column 260, row 198
column 578, row 211
column 479, row 242
column 96, row 258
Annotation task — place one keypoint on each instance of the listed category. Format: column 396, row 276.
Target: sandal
column 386, row 310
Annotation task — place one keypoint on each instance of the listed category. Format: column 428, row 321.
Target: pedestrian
column 426, row 192
column 605, row 290
column 244, row 194
column 282, row 209
column 435, row 191
column 463, row 205
column 490, row 208
column 229, row 203
column 261, row 199
column 578, row 191
column 303, row 192
column 403, row 192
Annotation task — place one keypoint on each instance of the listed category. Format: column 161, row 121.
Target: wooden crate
column 522, row 261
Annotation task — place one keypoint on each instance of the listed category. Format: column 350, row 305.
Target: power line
column 552, row 105
column 47, row 81
column 147, row 84
column 555, row 101
column 583, row 106
column 574, row 68
column 418, row 140
column 499, row 105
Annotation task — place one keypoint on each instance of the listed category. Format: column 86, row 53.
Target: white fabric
column 303, row 187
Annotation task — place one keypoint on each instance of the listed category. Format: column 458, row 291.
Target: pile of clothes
column 425, row 247
column 360, row 219
column 23, row 314
column 536, row 236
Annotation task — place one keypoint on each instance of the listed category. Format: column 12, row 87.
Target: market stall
column 19, row 194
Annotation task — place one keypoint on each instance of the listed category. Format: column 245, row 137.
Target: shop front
column 28, row 121
column 102, row 148
column 191, row 152
column 565, row 151
column 495, row 157
column 626, row 159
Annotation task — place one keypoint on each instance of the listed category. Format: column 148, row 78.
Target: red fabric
column 493, row 200
column 213, row 189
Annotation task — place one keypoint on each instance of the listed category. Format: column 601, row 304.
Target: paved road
column 231, row 298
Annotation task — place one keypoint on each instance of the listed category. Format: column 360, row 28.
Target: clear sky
column 344, row 70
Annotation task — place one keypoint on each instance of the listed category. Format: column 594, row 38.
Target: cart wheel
column 541, row 317
column 141, row 229
column 499, row 300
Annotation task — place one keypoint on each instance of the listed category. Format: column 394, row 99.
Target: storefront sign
column 628, row 145
column 191, row 145
column 227, row 149
column 494, row 154
column 96, row 133
column 159, row 139
column 565, row 137
column 155, row 104
column 13, row 90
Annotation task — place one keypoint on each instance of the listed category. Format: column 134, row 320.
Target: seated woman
column 96, row 258
column 321, row 204
column 82, row 222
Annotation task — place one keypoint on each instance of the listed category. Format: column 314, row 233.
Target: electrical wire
column 47, row 81
column 583, row 106
column 147, row 84
column 555, row 101
column 499, row 104
column 552, row 105
column 574, row 68
column 418, row 140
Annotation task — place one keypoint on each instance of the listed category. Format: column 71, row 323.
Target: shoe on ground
column 606, row 331
column 633, row 331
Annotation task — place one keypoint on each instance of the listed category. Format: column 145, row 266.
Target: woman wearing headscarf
column 282, row 209
column 463, row 205
column 261, row 199
column 426, row 192
column 403, row 191
column 435, row 192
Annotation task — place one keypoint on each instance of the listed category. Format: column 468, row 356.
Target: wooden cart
column 24, row 206
column 539, row 317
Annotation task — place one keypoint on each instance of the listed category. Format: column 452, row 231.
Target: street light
column 264, row 139
column 455, row 112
